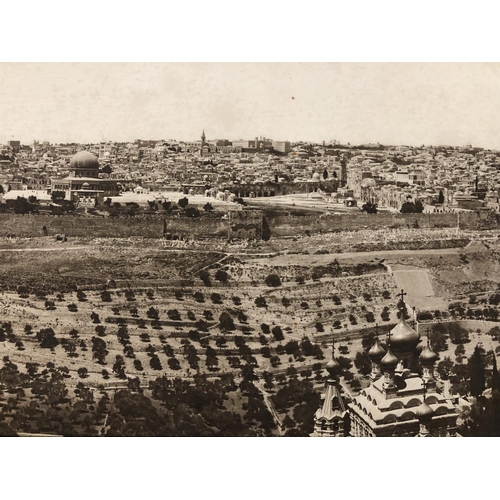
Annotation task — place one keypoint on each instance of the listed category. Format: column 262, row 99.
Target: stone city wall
column 290, row 225
column 206, row 226
column 240, row 224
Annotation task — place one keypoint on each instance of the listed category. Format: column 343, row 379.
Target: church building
column 402, row 398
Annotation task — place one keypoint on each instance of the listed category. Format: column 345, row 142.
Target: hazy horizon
column 389, row 103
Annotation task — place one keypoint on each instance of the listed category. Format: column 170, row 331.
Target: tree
column 266, row 230
column 57, row 196
column 152, row 313
column 438, row 340
column 155, row 363
column 216, row 298
column 173, row 364
column 369, row 208
column 105, row 296
column 477, row 373
column 173, row 314
column 278, row 333
column 119, row 367
column 70, row 348
column 260, row 302
column 47, row 338
column 99, row 351
column 226, row 322
column 273, row 280
column 192, row 212
column 183, row 202
column 208, row 207
column 460, row 350
column 495, row 377
column 459, row 335
column 100, row 330
column 445, row 368
column 221, row 276
column 407, row 208
column 198, row 296
column 205, row 277
column 441, row 197
column 363, row 363
column 82, row 372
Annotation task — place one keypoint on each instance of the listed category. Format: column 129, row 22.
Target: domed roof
column 424, row 411
column 376, row 352
column 403, row 337
column 428, row 356
column 333, row 365
column 389, row 361
column 84, row 159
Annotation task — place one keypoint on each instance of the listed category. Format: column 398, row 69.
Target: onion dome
column 376, row 352
column 332, row 367
column 389, row 361
column 424, row 412
column 428, row 356
column 403, row 337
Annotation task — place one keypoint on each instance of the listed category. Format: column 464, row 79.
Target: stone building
column 402, row 398
column 85, row 182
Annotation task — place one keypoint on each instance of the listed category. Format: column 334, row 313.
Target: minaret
column 203, row 143
column 330, row 418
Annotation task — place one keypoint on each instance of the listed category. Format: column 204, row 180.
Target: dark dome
column 389, row 361
column 84, row 160
column 424, row 412
column 403, row 337
column 428, row 356
column 332, row 367
column 376, row 352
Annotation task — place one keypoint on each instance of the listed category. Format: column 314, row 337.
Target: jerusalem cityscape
column 167, row 269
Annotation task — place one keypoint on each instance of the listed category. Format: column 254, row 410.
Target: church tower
column 331, row 419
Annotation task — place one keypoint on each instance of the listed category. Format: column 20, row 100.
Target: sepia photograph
column 249, row 249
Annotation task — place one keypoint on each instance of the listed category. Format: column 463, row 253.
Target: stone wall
column 207, row 226
column 290, row 225
column 240, row 224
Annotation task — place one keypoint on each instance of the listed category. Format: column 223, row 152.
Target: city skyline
column 389, row 103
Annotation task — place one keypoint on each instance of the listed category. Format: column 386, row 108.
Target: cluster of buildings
column 441, row 178
column 444, row 178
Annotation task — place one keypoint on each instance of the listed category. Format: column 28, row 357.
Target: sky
column 390, row 103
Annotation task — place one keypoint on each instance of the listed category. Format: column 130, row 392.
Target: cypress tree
column 495, row 377
column 476, row 372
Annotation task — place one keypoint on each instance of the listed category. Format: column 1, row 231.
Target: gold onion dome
column 403, row 337
column 376, row 352
column 389, row 361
